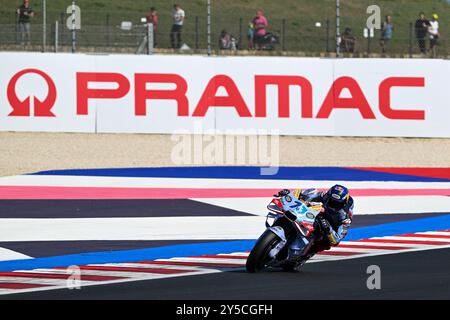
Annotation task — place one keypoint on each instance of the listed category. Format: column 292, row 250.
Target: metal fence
column 104, row 31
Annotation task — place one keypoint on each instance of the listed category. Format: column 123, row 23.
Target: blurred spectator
column 433, row 31
column 25, row 13
column 250, row 35
column 421, row 27
column 226, row 41
column 178, row 16
column 153, row 18
column 348, row 41
column 260, row 24
column 386, row 33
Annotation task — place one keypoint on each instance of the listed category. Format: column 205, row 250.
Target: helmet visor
column 335, row 204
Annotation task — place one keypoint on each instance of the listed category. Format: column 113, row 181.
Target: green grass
column 300, row 17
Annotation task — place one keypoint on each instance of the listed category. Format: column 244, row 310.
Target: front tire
column 259, row 255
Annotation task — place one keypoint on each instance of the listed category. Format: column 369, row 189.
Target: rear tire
column 259, row 255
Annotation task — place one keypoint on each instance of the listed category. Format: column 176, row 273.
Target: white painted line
column 153, row 228
column 363, row 205
column 7, row 254
column 136, row 182
column 322, row 258
column 387, row 244
column 53, row 282
column 438, row 233
column 146, row 265
column 209, row 260
column 244, row 254
column 353, row 250
column 401, row 204
column 88, row 273
column 422, row 239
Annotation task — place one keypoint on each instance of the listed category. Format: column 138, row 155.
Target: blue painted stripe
column 394, row 228
column 124, row 256
column 387, row 229
column 284, row 173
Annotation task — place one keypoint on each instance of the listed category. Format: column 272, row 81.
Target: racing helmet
column 336, row 197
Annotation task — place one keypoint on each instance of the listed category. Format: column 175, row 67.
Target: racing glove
column 282, row 193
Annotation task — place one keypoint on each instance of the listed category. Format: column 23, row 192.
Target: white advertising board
column 197, row 94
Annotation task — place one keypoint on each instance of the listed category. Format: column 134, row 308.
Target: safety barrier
column 196, row 94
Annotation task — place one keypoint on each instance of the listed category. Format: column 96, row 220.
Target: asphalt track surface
column 413, row 275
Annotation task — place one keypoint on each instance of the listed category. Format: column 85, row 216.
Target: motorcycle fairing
column 305, row 215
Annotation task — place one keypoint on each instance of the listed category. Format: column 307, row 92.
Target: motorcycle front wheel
column 259, row 255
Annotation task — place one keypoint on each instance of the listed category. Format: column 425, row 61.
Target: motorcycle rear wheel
column 259, row 255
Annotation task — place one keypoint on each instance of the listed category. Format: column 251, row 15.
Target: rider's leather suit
column 339, row 222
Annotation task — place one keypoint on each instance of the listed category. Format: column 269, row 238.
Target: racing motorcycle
column 290, row 218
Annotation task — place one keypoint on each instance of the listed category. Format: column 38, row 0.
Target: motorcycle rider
column 335, row 218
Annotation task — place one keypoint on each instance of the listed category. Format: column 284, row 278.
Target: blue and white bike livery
column 291, row 220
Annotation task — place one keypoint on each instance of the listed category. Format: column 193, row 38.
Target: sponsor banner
column 195, row 94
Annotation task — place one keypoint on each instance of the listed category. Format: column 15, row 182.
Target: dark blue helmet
column 336, row 197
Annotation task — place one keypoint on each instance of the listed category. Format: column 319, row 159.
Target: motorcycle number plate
column 297, row 207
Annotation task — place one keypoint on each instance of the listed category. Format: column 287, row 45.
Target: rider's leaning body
column 335, row 219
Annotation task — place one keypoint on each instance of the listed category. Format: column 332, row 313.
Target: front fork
column 279, row 231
